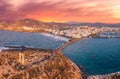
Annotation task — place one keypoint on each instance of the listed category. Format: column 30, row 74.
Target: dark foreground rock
column 107, row 76
column 37, row 64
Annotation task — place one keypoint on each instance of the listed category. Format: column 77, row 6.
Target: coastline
column 59, row 49
column 77, row 68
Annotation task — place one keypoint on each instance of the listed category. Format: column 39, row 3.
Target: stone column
column 21, row 58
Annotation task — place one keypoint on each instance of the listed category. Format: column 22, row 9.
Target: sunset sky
column 107, row 11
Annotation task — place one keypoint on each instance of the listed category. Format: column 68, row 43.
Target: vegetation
column 39, row 64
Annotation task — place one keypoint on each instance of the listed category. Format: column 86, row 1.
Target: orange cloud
column 62, row 11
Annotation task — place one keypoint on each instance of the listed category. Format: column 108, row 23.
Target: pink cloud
column 60, row 10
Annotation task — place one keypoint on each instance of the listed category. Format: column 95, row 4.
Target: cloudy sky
column 107, row 11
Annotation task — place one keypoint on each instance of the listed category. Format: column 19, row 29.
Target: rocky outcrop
column 107, row 76
column 37, row 64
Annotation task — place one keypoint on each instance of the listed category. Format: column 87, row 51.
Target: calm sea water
column 37, row 40
column 96, row 55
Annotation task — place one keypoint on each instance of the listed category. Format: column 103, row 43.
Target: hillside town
column 61, row 29
column 76, row 32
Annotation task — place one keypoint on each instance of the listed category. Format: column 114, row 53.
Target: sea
column 94, row 55
column 36, row 40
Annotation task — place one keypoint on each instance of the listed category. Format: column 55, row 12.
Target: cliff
column 37, row 64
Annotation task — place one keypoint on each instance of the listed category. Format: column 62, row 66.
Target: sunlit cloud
column 61, row 10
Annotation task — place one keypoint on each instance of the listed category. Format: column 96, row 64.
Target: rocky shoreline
column 115, row 75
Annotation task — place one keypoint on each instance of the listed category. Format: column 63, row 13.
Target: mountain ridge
column 32, row 22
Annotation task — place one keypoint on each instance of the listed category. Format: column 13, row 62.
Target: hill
column 37, row 64
column 97, row 24
column 30, row 25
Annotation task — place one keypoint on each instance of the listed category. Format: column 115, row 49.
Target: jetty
column 73, row 40
column 18, row 46
column 104, row 36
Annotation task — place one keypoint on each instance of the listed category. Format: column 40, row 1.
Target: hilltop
column 37, row 64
